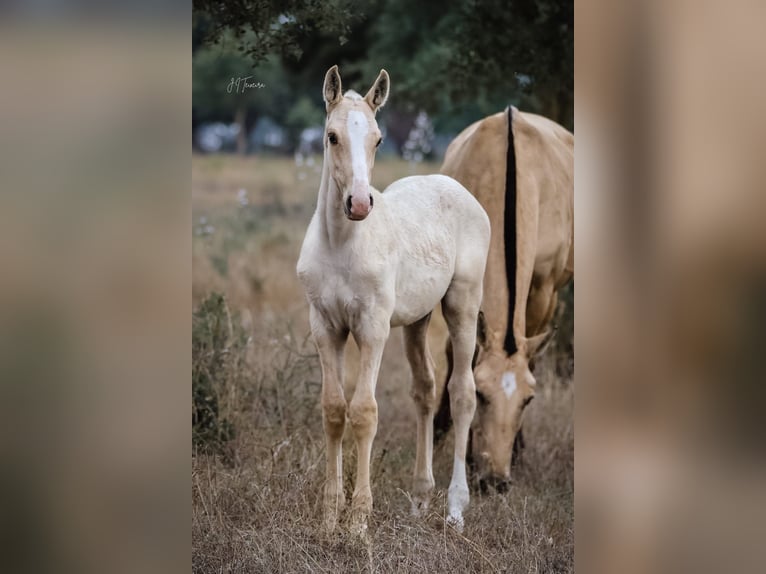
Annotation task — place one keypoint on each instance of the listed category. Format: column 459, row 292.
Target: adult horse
column 371, row 261
column 520, row 167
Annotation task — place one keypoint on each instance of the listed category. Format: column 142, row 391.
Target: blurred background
column 258, row 125
column 451, row 63
column 95, row 245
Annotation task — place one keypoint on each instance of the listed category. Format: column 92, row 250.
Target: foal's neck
column 337, row 229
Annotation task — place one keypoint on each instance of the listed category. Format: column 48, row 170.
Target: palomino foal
column 371, row 261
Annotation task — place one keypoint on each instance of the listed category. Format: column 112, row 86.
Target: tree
column 523, row 47
column 471, row 58
column 274, row 27
column 459, row 60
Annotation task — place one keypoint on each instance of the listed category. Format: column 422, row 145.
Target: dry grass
column 256, row 506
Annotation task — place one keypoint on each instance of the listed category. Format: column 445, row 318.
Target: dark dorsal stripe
column 510, row 235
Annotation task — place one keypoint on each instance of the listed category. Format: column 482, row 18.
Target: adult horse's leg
column 541, row 304
column 330, row 346
column 363, row 414
column 461, row 308
column 424, row 394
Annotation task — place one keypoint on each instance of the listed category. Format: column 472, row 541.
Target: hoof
column 361, row 508
column 419, row 508
column 421, row 496
column 358, row 527
column 456, row 522
column 334, row 505
column 420, row 504
column 330, row 523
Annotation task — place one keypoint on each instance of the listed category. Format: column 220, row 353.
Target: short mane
column 511, row 254
column 352, row 95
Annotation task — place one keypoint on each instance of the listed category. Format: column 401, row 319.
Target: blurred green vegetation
column 213, row 340
column 458, row 60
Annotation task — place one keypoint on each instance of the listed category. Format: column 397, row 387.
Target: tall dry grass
column 256, row 500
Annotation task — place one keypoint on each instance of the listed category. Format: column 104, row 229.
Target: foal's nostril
column 348, row 204
column 371, row 201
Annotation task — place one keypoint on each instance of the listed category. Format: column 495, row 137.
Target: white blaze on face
column 357, row 128
column 508, row 383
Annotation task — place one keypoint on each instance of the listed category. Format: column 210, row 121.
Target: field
column 257, row 482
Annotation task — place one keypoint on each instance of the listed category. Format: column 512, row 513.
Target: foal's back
column 432, row 203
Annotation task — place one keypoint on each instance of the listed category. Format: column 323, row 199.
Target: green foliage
column 304, row 113
column 459, row 60
column 214, row 343
column 215, row 66
column 275, row 27
column 563, row 342
column 523, row 48
column 411, row 41
column 458, row 56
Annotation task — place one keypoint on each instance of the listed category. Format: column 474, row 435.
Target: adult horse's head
column 351, row 139
column 504, row 387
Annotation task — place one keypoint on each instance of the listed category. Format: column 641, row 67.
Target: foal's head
column 351, row 139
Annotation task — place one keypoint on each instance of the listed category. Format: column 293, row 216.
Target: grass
column 256, row 502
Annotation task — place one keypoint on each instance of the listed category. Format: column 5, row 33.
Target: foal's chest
column 342, row 296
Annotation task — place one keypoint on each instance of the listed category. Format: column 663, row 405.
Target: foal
column 373, row 261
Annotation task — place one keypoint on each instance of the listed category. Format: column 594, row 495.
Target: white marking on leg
column 458, row 497
column 357, row 128
column 508, row 383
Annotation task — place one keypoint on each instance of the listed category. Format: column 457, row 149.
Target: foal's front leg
column 363, row 414
column 330, row 345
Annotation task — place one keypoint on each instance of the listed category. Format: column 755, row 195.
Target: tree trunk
column 240, row 118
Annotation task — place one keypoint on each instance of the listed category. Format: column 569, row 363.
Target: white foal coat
column 392, row 269
column 371, row 261
column 397, row 264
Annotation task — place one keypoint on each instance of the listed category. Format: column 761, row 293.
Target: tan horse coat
column 544, row 153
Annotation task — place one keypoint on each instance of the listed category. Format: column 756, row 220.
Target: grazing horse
column 371, row 261
column 520, row 167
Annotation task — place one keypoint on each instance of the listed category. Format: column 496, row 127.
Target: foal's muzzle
column 356, row 207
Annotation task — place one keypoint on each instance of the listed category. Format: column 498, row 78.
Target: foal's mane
column 353, row 96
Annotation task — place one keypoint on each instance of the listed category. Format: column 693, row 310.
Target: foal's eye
column 333, row 138
column 481, row 398
column 380, row 141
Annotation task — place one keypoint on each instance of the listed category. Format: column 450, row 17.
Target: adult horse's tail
column 443, row 419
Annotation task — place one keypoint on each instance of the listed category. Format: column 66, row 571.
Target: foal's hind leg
column 461, row 308
column 424, row 394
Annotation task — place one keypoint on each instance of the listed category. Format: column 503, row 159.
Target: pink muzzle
column 358, row 203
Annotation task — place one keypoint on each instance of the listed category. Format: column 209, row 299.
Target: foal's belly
column 418, row 293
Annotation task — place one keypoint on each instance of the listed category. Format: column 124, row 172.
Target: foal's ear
column 378, row 93
column 332, row 88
